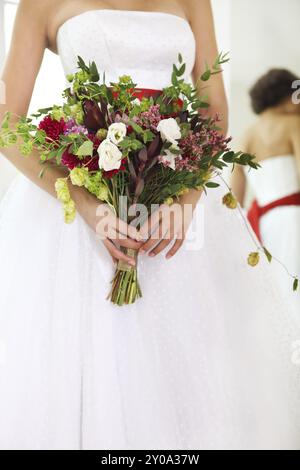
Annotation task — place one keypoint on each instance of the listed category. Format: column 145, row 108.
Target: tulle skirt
column 206, row 359
column 280, row 231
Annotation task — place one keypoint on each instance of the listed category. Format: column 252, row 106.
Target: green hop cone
column 253, row 259
column 79, row 176
column 230, row 201
column 69, row 211
column 93, row 183
column 57, row 113
column 77, row 113
column 103, row 192
column 182, row 192
column 169, row 201
column 62, row 190
column 82, row 76
column 102, row 134
column 26, row 148
column 70, row 77
column 125, row 80
column 10, row 139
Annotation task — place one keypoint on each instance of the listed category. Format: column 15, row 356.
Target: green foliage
column 86, row 149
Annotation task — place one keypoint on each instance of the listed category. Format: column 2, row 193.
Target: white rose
column 136, row 102
column 169, row 130
column 109, row 156
column 116, row 132
column 170, row 158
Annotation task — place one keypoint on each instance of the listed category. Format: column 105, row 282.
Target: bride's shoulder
column 294, row 120
column 194, row 7
column 41, row 10
column 36, row 8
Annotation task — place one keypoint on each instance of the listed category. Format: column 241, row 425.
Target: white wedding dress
column 204, row 360
column 280, row 227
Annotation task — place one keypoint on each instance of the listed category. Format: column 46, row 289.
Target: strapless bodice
column 141, row 44
column 277, row 178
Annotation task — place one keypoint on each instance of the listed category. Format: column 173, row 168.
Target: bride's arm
column 19, row 75
column 21, row 68
column 201, row 19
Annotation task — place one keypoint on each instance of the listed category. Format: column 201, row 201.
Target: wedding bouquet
column 121, row 141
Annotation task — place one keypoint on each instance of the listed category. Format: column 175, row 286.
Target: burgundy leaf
column 139, row 188
column 103, row 106
column 94, row 119
column 183, row 116
column 153, row 162
column 143, row 155
column 155, row 147
column 132, row 170
column 194, row 122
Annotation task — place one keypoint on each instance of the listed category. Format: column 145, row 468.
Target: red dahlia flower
column 54, row 129
column 71, row 161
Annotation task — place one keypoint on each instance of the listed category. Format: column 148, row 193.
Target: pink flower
column 73, row 128
column 150, row 119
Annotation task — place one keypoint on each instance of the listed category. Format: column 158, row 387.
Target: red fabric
column 147, row 93
column 256, row 212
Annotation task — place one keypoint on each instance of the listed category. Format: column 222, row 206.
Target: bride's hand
column 113, row 232
column 169, row 225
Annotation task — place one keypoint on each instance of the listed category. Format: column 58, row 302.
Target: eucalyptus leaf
column 86, row 149
column 268, row 254
column 296, row 285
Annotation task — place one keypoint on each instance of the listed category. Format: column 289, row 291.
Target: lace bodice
column 141, row 44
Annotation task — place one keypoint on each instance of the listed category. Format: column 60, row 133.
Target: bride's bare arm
column 201, row 20
column 19, row 75
column 21, row 68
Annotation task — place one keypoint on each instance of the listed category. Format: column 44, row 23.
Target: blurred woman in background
column 275, row 139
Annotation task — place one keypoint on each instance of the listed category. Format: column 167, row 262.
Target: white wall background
column 264, row 34
column 258, row 33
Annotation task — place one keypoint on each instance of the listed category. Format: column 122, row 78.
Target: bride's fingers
column 163, row 244
column 128, row 230
column 156, row 236
column 108, row 224
column 127, row 242
column 117, row 253
column 122, row 240
column 178, row 244
column 153, row 221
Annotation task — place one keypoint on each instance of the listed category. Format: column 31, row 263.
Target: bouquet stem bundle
column 125, row 285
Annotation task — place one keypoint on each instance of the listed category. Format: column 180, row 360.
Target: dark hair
column 271, row 89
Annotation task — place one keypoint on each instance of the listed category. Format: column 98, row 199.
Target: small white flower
column 110, row 156
column 170, row 158
column 136, row 102
column 116, row 132
column 169, row 130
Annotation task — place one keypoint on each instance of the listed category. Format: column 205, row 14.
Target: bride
column 204, row 360
column 275, row 140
